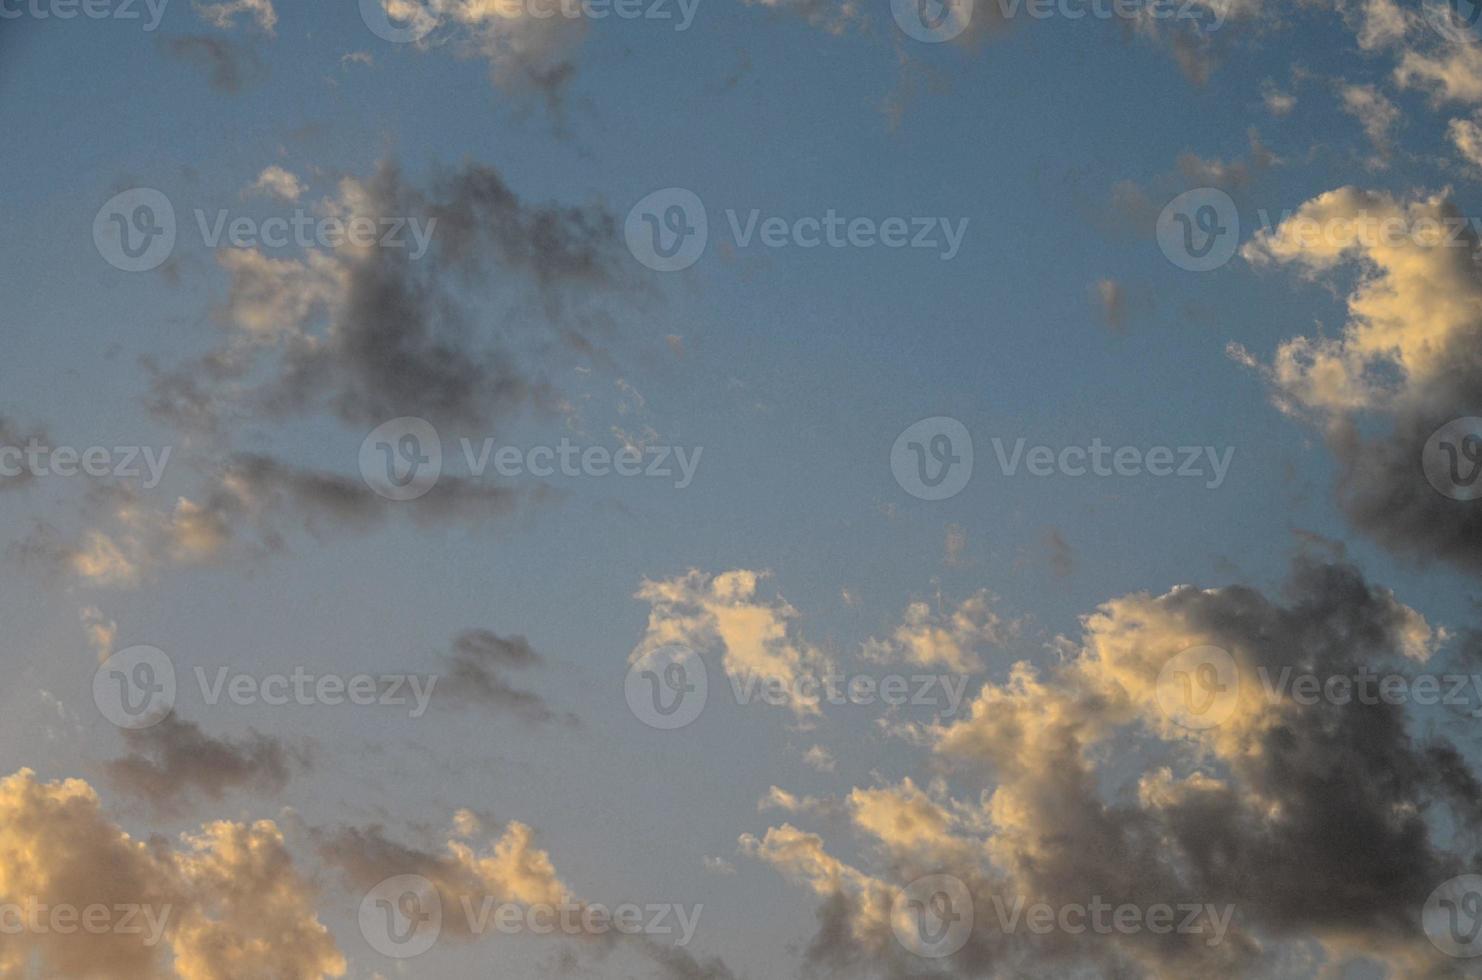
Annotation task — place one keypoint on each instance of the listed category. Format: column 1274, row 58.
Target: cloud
column 230, row 900
column 474, row 675
column 276, row 182
column 224, row 15
column 375, row 332
column 927, row 638
column 1261, row 814
column 228, row 65
column 524, row 52
column 1112, row 297
column 173, row 764
column 1406, row 355
column 754, row 636
column 1379, row 116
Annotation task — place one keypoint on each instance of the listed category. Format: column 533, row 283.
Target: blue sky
column 1053, row 143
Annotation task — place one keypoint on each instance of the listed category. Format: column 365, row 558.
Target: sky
column 740, row 489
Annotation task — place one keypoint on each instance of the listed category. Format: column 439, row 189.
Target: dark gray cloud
column 474, row 675
column 228, row 64
column 174, row 764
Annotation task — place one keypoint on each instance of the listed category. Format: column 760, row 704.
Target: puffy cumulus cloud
column 224, row 15
column 830, row 16
column 174, row 763
column 928, row 638
column 1407, row 353
column 228, row 901
column 754, row 635
column 1324, row 826
column 276, row 181
column 524, row 52
column 1452, row 73
column 1466, row 136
